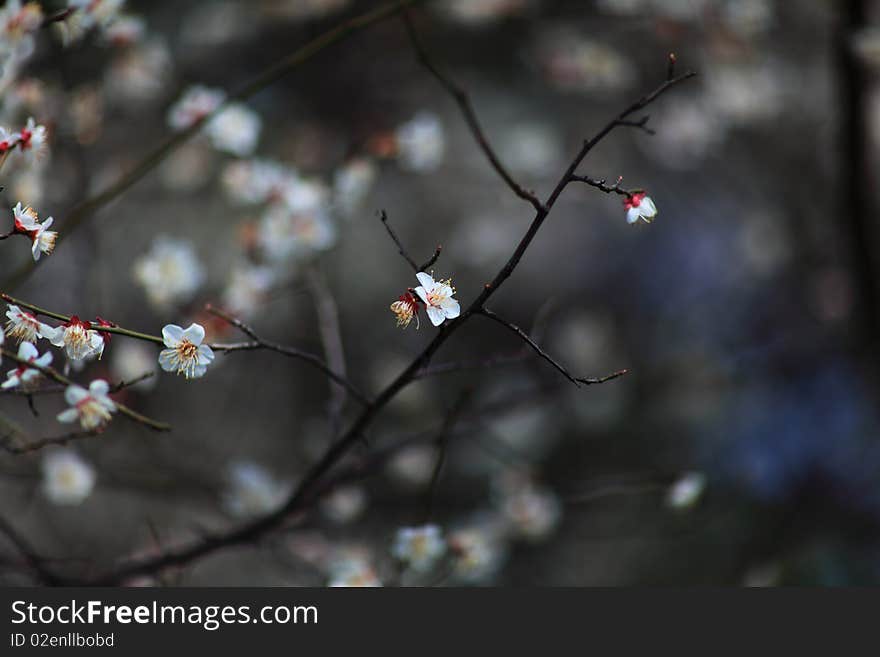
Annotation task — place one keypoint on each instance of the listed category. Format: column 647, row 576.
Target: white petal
column 206, row 354
column 426, row 280
column 451, row 308
column 70, row 415
column 435, row 315
column 99, row 387
column 45, row 360
column 647, row 207
column 27, row 351
column 167, row 360
column 75, row 394
column 632, row 215
column 195, row 333
column 172, row 334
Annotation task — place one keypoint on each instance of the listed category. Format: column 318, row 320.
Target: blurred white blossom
column 252, row 491
column 421, row 143
column 92, row 407
column 169, row 272
column 419, row 547
column 67, row 478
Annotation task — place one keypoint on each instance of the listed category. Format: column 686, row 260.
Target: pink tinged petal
column 632, row 215
column 426, row 280
column 70, row 415
column 195, row 333
column 168, row 360
column 75, row 394
column 423, row 294
column 435, row 315
column 172, row 334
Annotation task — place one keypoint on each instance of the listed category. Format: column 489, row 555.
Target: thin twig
column 383, row 216
column 315, row 477
column 543, row 354
column 261, row 344
column 464, row 104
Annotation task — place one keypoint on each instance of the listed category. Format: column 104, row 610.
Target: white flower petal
column 435, row 315
column 423, row 294
column 195, row 333
column 172, row 334
column 426, row 281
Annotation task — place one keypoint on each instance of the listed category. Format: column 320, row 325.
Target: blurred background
column 741, row 448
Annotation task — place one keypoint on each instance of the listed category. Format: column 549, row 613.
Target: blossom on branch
column 639, row 206
column 437, row 297
column 185, row 353
column 25, row 327
column 92, row 407
column 195, row 104
column 32, row 139
column 8, row 139
column 42, row 240
column 406, row 308
column 77, row 338
column 22, row 376
column 236, row 130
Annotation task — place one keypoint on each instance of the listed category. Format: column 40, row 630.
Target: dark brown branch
column 543, row 354
column 602, row 185
column 464, row 104
column 468, row 365
column 383, row 216
column 261, row 344
column 36, row 445
column 57, row 388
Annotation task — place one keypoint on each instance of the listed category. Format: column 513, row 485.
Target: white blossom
column 252, row 491
column 23, row 375
column 67, row 478
column 25, row 327
column 195, row 104
column 639, row 206
column 419, row 547
column 185, row 354
column 686, row 492
column 437, row 297
column 78, row 339
column 26, row 223
column 235, row 130
column 352, row 183
column 533, row 512
column 92, row 407
column 18, row 22
column 170, row 272
column 421, row 143
column 247, row 288
column 32, row 140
